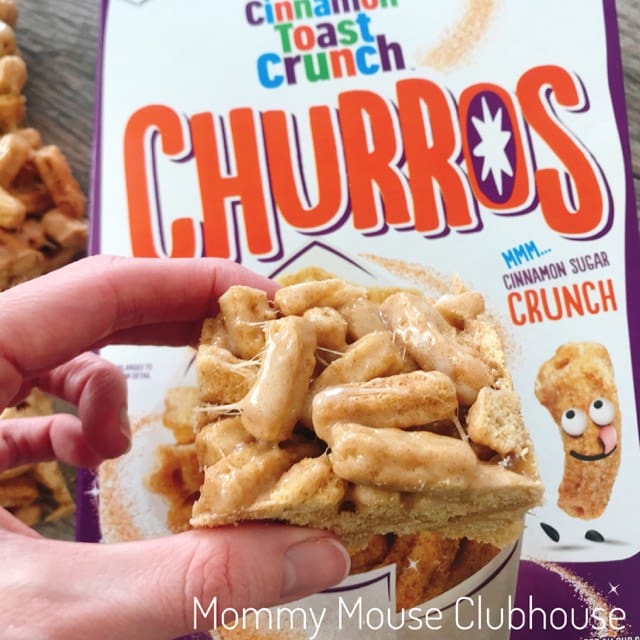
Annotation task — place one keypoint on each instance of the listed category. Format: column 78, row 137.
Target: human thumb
column 161, row 589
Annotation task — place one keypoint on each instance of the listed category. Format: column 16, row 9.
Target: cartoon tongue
column 609, row 438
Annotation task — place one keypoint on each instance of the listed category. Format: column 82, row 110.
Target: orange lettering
column 535, row 90
column 220, row 192
column 285, row 170
column 513, row 299
column 372, row 154
column 145, row 220
column 432, row 147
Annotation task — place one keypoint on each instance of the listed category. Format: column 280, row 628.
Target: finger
column 83, row 304
column 152, row 585
column 175, row 334
column 11, row 524
column 55, row 437
column 99, row 389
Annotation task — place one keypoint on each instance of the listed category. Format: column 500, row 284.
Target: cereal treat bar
column 362, row 412
column 42, row 207
column 34, row 492
column 578, row 389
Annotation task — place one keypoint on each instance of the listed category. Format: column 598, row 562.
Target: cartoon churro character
column 578, row 389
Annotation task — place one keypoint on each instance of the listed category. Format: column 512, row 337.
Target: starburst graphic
column 413, row 564
column 613, row 588
column 93, row 492
column 492, row 145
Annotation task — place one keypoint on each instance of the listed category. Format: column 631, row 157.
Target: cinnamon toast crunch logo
column 323, row 49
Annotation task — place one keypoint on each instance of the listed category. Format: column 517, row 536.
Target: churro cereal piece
column 244, row 311
column 306, row 274
column 273, row 405
column 177, row 477
column 373, row 356
column 179, row 405
column 34, row 197
column 298, row 298
column 362, row 317
column 18, row 492
column 218, row 439
column 18, row 261
column 7, row 39
column 373, row 553
column 12, row 211
column 14, row 472
column 56, row 175
column 471, row 557
column 240, row 477
column 30, row 514
column 214, row 333
column 11, row 112
column 8, row 12
column 458, row 308
column 13, row 75
column 400, row 460
column 29, row 134
column 309, row 482
column 495, row 421
column 425, row 335
column 330, row 328
column 578, row 389
column 225, row 378
column 49, row 476
column 398, row 401
column 423, row 568
column 14, row 152
column 64, row 231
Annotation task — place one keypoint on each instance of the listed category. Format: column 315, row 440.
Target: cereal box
column 444, row 187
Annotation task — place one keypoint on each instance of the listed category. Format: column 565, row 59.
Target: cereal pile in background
column 34, row 492
column 42, row 208
column 42, row 227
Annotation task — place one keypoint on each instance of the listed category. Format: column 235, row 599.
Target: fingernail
column 313, row 565
column 125, row 425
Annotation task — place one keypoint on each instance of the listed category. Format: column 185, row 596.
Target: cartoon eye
column 602, row 412
column 574, row 422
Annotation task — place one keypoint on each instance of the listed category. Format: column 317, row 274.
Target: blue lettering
column 364, row 21
column 268, row 78
column 366, row 68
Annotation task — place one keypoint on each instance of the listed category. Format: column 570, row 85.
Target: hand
column 141, row 590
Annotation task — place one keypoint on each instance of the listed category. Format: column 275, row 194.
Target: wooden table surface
column 58, row 40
